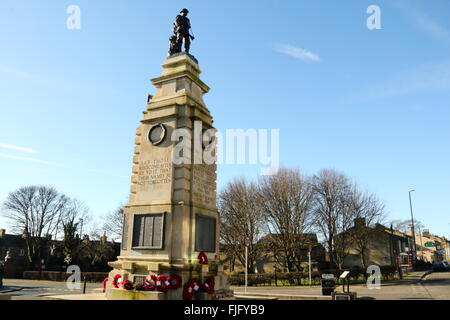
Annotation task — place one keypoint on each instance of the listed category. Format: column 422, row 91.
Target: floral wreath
column 162, row 283
column 203, row 259
column 194, row 285
column 105, row 281
column 127, row 285
column 191, row 288
column 209, row 284
column 178, row 282
column 150, row 283
column 117, row 280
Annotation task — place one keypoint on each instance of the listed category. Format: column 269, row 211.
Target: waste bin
column 328, row 286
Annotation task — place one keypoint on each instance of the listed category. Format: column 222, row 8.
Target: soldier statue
column 181, row 27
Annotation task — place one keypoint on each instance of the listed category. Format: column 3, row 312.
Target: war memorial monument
column 170, row 242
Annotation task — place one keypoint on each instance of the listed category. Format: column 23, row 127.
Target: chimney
column 25, row 234
column 360, row 222
column 2, row 232
column 426, row 233
column 410, row 227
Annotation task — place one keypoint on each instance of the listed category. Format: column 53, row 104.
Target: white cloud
column 18, row 148
column 424, row 22
column 432, row 28
column 298, row 53
column 3, row 155
column 21, row 74
column 51, row 163
column 431, row 77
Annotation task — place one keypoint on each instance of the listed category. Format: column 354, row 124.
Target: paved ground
column 38, row 290
column 438, row 285
column 434, row 286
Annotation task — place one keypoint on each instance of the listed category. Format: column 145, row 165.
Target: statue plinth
column 171, row 215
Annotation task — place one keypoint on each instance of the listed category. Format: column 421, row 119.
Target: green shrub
column 357, row 275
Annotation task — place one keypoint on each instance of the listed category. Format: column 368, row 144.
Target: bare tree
column 402, row 225
column 367, row 210
column 331, row 193
column 37, row 211
column 286, row 200
column 75, row 218
column 113, row 224
column 241, row 221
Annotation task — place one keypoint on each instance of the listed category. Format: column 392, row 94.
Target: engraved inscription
column 155, row 173
column 204, row 183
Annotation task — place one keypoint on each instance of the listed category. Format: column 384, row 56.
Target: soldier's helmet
column 184, row 10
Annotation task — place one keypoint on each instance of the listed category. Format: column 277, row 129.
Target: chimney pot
column 360, row 222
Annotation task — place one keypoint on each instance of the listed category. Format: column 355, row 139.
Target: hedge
column 302, row 278
column 62, row 276
column 2, row 271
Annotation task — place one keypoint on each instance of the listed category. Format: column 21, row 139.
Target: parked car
column 441, row 266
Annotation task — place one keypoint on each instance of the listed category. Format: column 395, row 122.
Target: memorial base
column 136, row 271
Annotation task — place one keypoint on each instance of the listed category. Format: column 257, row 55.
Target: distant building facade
column 431, row 248
column 385, row 247
column 13, row 253
column 271, row 257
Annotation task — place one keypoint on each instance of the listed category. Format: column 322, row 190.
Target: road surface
column 435, row 286
column 38, row 290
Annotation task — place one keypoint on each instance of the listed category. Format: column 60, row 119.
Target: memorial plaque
column 125, row 232
column 205, row 233
column 148, row 231
column 140, row 279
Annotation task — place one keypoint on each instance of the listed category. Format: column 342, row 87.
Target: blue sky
column 374, row 104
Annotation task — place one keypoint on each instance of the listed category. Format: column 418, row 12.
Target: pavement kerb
column 10, row 290
column 280, row 296
column 425, row 274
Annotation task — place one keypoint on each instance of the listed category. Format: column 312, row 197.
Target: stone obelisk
column 171, row 217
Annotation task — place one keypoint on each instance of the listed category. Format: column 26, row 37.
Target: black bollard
column 84, row 286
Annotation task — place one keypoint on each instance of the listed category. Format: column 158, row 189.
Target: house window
column 205, row 233
column 148, row 231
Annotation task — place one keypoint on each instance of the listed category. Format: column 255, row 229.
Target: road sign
column 430, row 244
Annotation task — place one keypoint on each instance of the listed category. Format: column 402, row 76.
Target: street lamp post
column 412, row 229
column 81, row 229
column 309, row 265
column 246, row 263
